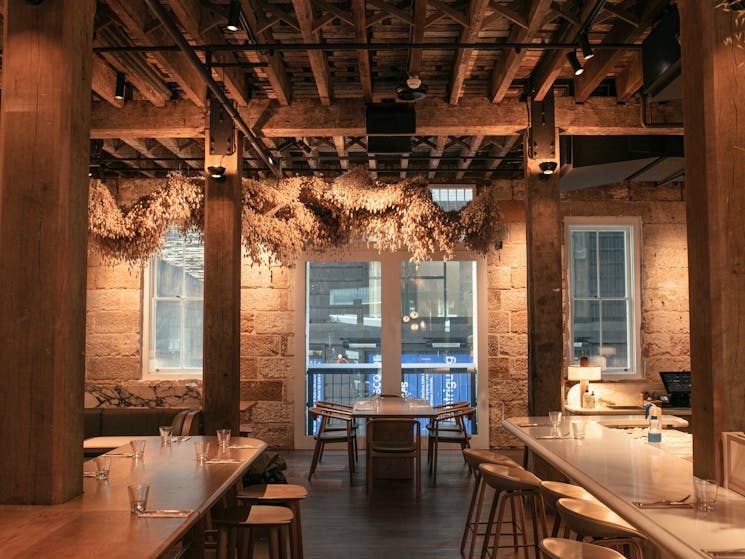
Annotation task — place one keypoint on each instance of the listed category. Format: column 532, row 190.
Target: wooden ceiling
column 299, row 72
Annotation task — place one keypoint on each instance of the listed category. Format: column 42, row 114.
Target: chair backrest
column 333, row 405
column 186, row 422
column 328, row 414
column 452, row 405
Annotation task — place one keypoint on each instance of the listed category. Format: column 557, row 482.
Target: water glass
column 138, row 497
column 201, row 448
column 706, row 493
column 223, row 438
column 166, row 434
column 578, row 429
column 138, row 448
column 103, row 465
column 555, row 418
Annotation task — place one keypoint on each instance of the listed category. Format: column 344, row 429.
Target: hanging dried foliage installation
column 281, row 218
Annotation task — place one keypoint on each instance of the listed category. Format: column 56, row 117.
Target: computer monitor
column 678, row 386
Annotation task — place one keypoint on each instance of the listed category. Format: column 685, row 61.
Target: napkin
column 165, row 513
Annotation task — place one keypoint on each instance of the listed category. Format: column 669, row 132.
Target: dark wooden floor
column 341, row 521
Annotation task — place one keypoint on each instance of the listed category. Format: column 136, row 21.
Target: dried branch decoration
column 282, row 218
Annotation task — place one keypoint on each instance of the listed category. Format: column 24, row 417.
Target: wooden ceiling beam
column 449, row 11
column 499, row 154
column 342, row 15
column 359, row 15
column 392, row 10
column 472, row 150
column 464, row 57
column 184, row 149
column 511, row 15
column 435, row 154
column 148, row 149
column 341, row 151
column 120, row 150
column 631, row 79
column 603, row 62
column 507, row 66
column 275, row 10
column 133, row 14
column 417, row 36
column 435, row 117
column 104, row 81
column 317, row 58
column 553, row 61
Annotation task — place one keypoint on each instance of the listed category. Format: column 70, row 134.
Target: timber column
column 714, row 102
column 545, row 333
column 44, row 148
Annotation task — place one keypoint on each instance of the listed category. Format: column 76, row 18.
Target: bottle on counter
column 654, row 434
column 588, row 400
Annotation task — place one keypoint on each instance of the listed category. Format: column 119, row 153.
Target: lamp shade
column 575, row 372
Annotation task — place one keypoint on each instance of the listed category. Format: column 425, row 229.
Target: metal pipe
column 365, row 46
column 217, row 91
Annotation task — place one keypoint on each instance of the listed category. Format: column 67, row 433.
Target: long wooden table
column 618, row 470
column 390, row 407
column 98, row 523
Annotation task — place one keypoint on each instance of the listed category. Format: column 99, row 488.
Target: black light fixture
column 216, row 172
column 120, row 86
column 547, row 168
column 584, row 44
column 234, row 16
column 574, row 61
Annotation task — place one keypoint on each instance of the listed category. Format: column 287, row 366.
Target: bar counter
column 618, row 470
column 98, row 522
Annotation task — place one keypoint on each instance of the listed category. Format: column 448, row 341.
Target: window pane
column 193, row 329
column 612, row 263
column 614, row 335
column 586, row 329
column 584, row 263
column 169, row 280
column 167, row 334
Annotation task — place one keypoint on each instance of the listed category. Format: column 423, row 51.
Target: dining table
column 98, row 523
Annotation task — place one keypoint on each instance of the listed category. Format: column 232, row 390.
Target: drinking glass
column 555, row 418
column 103, row 465
column 166, row 434
column 201, row 448
column 706, row 493
column 138, row 448
column 223, row 438
column 578, row 429
column 138, row 497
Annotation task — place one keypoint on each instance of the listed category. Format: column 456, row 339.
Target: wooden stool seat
column 246, row 519
column 555, row 490
column 556, row 548
column 287, row 494
column 595, row 520
column 508, row 478
column 473, row 458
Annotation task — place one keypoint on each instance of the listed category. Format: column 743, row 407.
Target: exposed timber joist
column 464, row 57
column 318, row 64
column 363, row 56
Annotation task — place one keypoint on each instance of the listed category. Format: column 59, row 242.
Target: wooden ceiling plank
column 510, row 15
column 552, row 62
column 363, row 56
column 341, row 151
column 562, row 12
column 104, row 81
column 133, row 14
column 375, row 19
column 449, row 11
column 317, row 58
column 267, row 24
column 506, row 68
column 275, row 11
column 114, row 149
column 417, row 36
column 500, row 153
column 623, row 15
column 343, row 15
column 434, row 18
column 598, row 67
column 142, row 147
column 320, row 22
column 435, row 155
column 464, row 57
column 392, row 10
column 275, row 67
column 631, row 79
column 472, row 150
column 188, row 151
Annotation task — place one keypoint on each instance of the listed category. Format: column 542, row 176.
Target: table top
column 98, row 523
column 618, row 470
column 625, row 410
column 393, row 407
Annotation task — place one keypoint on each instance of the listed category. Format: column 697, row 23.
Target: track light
column 574, row 61
column 547, row 168
column 119, row 90
column 216, row 172
column 234, row 16
column 584, row 44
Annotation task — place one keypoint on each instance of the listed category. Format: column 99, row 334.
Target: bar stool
column 556, row 548
column 555, row 490
column 473, row 458
column 596, row 521
column 245, row 520
column 514, row 485
column 288, row 495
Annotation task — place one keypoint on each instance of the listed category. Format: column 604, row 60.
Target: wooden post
column 44, row 150
column 714, row 96
column 222, row 292
column 545, row 332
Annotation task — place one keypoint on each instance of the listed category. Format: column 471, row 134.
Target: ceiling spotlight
column 216, row 172
column 234, row 16
column 119, row 89
column 547, row 168
column 574, row 61
column 584, row 44
column 414, row 81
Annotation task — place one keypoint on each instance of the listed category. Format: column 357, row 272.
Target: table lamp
column 584, row 374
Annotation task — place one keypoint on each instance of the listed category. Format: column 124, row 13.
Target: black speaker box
column 390, row 118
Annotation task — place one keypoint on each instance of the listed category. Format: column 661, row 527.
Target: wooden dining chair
column 334, row 425
column 326, row 436
column 385, row 439
column 449, row 426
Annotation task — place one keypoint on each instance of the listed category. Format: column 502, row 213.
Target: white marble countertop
column 618, row 469
column 625, row 410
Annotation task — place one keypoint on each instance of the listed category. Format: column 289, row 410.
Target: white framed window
column 451, row 198
column 604, row 294
column 174, row 300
